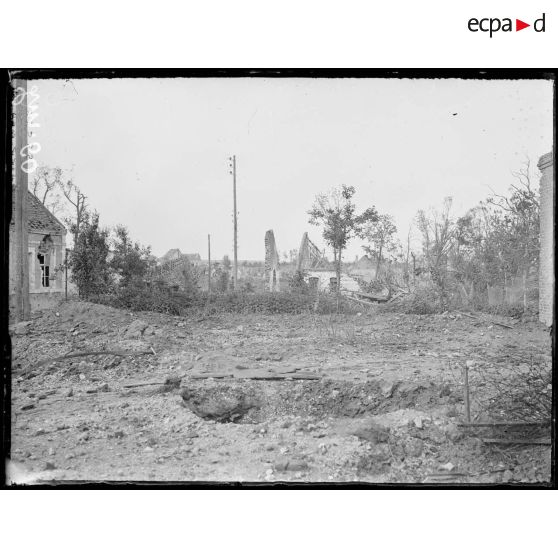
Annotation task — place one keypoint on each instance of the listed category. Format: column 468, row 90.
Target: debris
column 221, row 407
column 372, row 432
column 49, row 466
column 135, row 329
column 447, row 467
column 414, row 447
column 498, row 424
column 418, row 422
column 507, row 476
column 290, row 465
column 510, row 441
column 91, row 353
column 22, row 328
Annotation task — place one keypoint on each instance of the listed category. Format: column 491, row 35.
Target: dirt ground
column 382, row 404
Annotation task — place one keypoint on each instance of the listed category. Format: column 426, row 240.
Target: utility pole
column 235, row 267
column 209, row 264
column 20, row 186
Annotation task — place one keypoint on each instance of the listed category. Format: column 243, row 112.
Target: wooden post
column 66, row 275
column 209, row 264
column 20, row 187
column 235, row 276
column 466, row 394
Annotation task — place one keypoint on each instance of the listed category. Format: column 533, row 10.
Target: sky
column 152, row 154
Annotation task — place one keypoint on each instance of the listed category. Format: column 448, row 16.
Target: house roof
column 39, row 218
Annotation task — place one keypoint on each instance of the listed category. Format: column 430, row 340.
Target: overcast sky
column 153, row 154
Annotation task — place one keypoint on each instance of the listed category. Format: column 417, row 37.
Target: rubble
column 343, row 426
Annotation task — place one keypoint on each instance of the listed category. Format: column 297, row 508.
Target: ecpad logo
column 493, row 25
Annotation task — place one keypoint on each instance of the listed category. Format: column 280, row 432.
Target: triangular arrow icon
column 519, row 25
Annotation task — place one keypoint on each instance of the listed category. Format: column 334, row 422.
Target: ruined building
column 546, row 270
column 271, row 262
column 309, row 255
column 46, row 254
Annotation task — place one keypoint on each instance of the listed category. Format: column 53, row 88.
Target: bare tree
column 516, row 219
column 47, row 186
column 78, row 201
column 438, row 235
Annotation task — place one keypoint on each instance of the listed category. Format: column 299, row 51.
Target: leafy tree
column 336, row 213
column 88, row 260
column 381, row 235
column 130, row 260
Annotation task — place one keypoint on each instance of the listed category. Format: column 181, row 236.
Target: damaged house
column 46, row 254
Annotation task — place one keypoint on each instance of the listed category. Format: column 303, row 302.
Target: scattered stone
column 84, row 436
column 135, row 329
column 372, row 432
column 51, row 451
column 22, row 328
column 418, row 422
column 40, row 431
column 507, row 476
column 447, row 467
column 82, row 376
column 414, row 447
column 388, row 388
column 290, row 465
column 70, row 392
column 104, row 387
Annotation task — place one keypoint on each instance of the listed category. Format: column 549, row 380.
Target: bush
column 139, row 296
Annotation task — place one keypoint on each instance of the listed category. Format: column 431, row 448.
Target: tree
column 78, row 202
column 47, row 187
column 88, row 260
column 336, row 213
column 515, row 226
column 381, row 234
column 438, row 234
column 130, row 260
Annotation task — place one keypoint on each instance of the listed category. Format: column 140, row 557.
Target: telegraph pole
column 235, row 267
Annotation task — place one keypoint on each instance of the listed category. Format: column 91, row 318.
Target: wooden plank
column 498, row 424
column 238, row 376
column 511, row 441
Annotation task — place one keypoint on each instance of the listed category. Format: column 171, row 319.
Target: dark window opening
column 45, row 271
